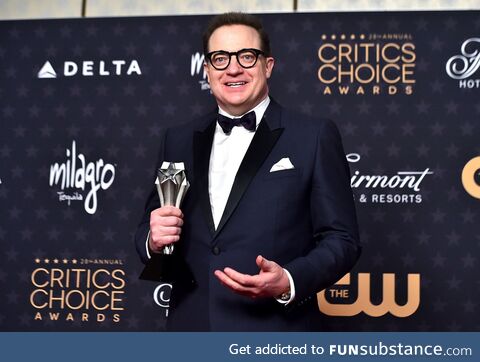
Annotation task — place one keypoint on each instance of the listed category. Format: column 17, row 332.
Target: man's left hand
column 270, row 282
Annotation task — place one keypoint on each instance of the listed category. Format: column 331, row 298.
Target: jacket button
column 216, row 250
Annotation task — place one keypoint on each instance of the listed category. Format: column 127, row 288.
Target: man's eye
column 248, row 57
column 220, row 59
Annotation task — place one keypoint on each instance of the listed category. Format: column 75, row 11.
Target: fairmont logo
column 78, row 176
column 463, row 66
column 90, row 68
column 400, row 188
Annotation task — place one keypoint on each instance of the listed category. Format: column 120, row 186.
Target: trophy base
column 168, row 268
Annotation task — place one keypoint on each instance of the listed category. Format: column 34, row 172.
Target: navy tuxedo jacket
column 302, row 218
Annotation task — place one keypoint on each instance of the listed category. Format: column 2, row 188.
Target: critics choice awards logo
column 84, row 290
column 464, row 66
column 403, row 187
column 79, row 180
column 367, row 64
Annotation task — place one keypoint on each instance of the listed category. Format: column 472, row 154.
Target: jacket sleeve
column 335, row 232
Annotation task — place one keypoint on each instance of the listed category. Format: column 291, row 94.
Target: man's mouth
column 235, row 84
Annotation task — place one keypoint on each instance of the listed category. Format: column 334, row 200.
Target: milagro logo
column 463, row 66
column 404, row 186
column 196, row 68
column 77, row 176
column 89, row 68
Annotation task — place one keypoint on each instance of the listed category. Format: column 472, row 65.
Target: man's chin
column 236, row 106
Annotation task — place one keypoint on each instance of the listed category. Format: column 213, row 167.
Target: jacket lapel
column 202, row 146
column 265, row 138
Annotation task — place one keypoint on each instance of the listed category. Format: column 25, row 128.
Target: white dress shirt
column 225, row 159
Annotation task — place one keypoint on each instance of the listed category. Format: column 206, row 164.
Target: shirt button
column 216, row 250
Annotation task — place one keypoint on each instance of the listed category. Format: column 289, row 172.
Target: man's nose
column 234, row 67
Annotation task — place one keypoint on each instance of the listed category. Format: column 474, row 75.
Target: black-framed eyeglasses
column 247, row 58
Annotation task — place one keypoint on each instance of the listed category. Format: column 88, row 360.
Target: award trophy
column 169, row 266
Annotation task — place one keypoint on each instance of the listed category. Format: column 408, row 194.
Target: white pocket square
column 283, row 164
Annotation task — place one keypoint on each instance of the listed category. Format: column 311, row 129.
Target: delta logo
column 90, row 68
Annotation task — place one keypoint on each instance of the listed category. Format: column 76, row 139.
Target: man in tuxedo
column 269, row 219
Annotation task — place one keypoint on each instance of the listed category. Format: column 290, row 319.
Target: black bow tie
column 248, row 121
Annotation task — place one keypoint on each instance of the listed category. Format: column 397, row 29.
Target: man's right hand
column 165, row 227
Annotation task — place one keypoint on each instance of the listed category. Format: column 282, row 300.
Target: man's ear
column 269, row 64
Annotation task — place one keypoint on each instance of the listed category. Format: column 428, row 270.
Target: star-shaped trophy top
column 171, row 174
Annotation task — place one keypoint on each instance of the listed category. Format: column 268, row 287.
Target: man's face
column 236, row 89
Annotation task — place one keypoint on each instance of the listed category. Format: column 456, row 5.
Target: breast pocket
column 294, row 172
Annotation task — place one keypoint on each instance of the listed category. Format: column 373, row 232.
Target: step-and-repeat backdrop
column 82, row 103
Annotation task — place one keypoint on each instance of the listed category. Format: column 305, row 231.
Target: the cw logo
column 471, row 169
column 363, row 303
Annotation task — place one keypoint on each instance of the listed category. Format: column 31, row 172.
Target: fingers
column 168, row 211
column 265, row 264
column 244, row 280
column 235, row 286
column 249, row 285
column 165, row 227
column 270, row 282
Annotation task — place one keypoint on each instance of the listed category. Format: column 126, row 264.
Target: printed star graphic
column 279, row 26
column 407, row 128
column 129, row 90
column 439, row 306
column 26, row 234
column 334, row 107
column 469, row 306
column 408, row 260
column 350, row 128
column 453, row 194
column 439, row 260
column 453, row 238
column 454, row 282
column 393, row 107
column 92, row 30
column 307, row 25
column 452, row 107
column 467, row 129
column 156, row 89
column 468, row 261
column 437, row 44
column 437, row 86
column 422, row 24
column 81, row 234
column 118, row 30
column 438, row 216
column 468, row 216
column 393, row 150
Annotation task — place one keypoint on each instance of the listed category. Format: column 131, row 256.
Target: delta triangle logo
column 47, row 71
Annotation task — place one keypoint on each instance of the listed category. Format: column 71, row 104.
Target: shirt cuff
column 146, row 246
column 292, row 290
